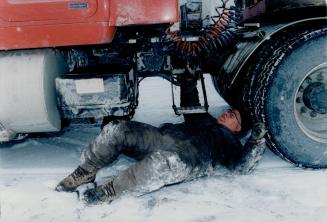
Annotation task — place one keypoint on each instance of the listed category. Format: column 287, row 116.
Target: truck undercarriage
column 267, row 58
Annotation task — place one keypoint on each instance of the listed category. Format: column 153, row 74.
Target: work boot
column 101, row 193
column 78, row 177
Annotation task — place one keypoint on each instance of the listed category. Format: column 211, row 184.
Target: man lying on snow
column 170, row 154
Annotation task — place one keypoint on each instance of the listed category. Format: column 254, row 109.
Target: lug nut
column 313, row 114
column 320, row 77
column 308, row 80
column 299, row 100
column 303, row 109
column 301, row 89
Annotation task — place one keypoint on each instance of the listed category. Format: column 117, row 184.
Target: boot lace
column 108, row 189
column 79, row 172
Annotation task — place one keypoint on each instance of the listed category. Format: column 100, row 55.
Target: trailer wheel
column 291, row 97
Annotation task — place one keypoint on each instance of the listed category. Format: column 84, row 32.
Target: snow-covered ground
column 276, row 191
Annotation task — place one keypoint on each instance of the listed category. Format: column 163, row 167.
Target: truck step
column 189, row 110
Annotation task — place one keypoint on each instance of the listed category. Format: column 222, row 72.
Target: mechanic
column 170, row 154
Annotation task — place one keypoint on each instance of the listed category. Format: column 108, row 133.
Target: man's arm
column 252, row 150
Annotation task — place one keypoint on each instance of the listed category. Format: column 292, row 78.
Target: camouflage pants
column 159, row 165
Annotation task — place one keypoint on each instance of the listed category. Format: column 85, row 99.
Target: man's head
column 231, row 119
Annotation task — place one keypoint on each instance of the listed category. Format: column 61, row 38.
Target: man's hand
column 258, row 132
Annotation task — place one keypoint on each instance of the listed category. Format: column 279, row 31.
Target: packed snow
column 275, row 191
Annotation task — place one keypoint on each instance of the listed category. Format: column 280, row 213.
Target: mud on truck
column 63, row 60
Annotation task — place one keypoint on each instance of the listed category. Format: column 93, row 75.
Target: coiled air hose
column 213, row 38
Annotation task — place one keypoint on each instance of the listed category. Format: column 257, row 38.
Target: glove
column 258, row 132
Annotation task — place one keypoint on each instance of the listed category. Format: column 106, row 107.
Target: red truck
column 63, row 60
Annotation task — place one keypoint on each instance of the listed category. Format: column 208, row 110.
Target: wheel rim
column 310, row 104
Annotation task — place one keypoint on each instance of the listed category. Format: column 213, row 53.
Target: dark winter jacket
column 210, row 141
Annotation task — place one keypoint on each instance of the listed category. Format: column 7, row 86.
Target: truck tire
column 290, row 96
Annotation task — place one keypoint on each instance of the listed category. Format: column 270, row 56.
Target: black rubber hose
column 215, row 38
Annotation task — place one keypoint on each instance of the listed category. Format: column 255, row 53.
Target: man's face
column 231, row 119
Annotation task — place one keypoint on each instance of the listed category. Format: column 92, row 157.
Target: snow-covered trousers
column 159, row 164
